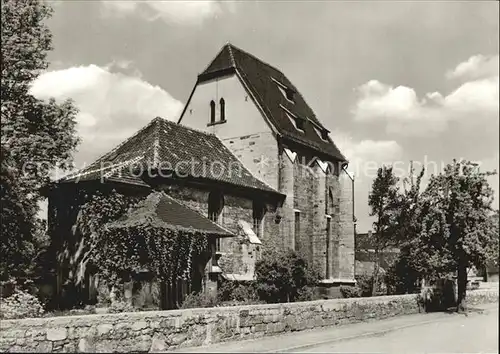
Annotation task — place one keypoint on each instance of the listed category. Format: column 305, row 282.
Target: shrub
column 244, row 293
column 306, row 293
column 282, row 276
column 237, row 292
column 439, row 295
column 147, row 296
column 401, row 276
column 103, row 295
column 199, row 300
column 21, row 304
column 121, row 306
column 365, row 285
column 350, row 291
column 225, row 291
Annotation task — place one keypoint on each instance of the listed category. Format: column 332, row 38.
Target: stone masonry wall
column 196, row 199
column 332, row 186
column 165, row 330
column 303, row 200
column 259, row 153
column 346, row 222
column 238, row 257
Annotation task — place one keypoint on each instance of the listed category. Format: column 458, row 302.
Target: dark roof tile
column 166, row 145
column 160, row 208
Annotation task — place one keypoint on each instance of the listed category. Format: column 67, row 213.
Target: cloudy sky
column 393, row 81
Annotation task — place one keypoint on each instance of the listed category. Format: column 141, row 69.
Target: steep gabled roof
column 263, row 81
column 169, row 146
column 165, row 211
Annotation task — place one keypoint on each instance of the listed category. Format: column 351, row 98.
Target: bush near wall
column 165, row 330
column 20, row 304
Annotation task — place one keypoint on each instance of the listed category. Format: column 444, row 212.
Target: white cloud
column 366, row 156
column 407, row 114
column 181, row 12
column 476, row 67
column 112, row 106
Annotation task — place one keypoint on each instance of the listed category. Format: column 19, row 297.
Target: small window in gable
column 322, row 133
column 287, row 92
column 298, row 123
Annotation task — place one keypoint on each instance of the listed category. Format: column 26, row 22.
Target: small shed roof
column 164, row 210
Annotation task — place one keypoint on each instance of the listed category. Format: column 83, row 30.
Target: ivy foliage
column 126, row 237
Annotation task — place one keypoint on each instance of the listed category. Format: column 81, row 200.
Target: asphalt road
column 421, row 333
column 476, row 333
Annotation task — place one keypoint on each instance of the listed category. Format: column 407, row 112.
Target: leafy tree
column 37, row 136
column 457, row 230
column 492, row 251
column 383, row 201
column 283, row 276
column 403, row 275
column 17, row 224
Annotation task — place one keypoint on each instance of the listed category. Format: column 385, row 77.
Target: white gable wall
column 245, row 132
column 242, row 115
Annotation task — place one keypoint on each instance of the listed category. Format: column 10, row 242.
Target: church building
column 254, row 109
column 279, row 180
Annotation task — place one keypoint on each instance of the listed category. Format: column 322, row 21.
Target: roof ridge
column 215, row 57
column 254, row 57
column 112, row 168
column 156, row 145
column 120, row 165
column 194, row 210
column 231, row 55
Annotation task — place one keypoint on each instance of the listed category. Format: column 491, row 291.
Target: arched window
column 222, row 110
column 215, row 212
column 212, row 111
column 215, row 206
column 330, row 205
column 259, row 210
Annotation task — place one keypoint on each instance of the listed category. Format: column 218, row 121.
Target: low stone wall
column 482, row 296
column 164, row 330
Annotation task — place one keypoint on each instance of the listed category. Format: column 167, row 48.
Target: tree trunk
column 375, row 273
column 462, row 286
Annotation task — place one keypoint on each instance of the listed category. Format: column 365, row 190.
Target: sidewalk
column 304, row 339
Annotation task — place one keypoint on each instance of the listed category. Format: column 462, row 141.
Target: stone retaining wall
column 163, row 330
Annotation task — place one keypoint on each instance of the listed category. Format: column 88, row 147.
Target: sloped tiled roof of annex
column 164, row 210
column 170, row 146
column 258, row 77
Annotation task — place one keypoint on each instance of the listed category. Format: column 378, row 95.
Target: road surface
column 423, row 333
column 476, row 333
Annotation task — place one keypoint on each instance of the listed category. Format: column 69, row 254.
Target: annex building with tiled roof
column 247, row 162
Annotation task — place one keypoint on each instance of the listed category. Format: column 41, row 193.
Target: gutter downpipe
column 344, row 167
